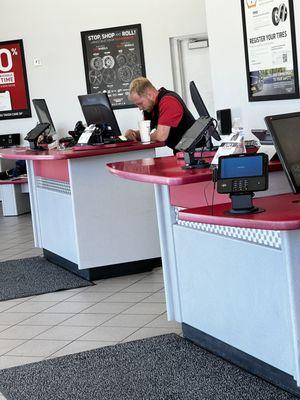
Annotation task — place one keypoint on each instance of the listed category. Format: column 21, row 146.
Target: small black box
column 224, row 121
column 11, row 139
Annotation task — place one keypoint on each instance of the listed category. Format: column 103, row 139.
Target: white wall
column 224, row 25
column 50, row 30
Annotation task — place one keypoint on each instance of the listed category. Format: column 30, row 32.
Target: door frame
column 177, row 60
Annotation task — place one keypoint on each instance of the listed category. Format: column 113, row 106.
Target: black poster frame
column 295, row 93
column 17, row 112
column 110, row 39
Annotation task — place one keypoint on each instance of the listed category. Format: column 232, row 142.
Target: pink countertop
column 165, row 171
column 13, row 182
column 24, row 153
column 282, row 212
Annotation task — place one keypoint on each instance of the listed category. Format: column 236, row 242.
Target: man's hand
column 132, row 134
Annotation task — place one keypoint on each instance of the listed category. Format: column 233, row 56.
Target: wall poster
column 270, row 49
column 14, row 95
column 113, row 57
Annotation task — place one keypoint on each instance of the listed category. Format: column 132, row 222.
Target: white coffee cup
column 144, row 127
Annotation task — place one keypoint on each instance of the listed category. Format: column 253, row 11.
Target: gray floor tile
column 13, row 361
column 22, row 332
column 146, row 308
column 149, row 332
column 68, row 307
column 132, row 321
column 7, row 318
column 108, row 334
column 87, row 320
column 126, row 297
column 162, row 322
column 78, row 346
column 9, row 344
column 107, row 308
column 143, row 287
column 92, row 297
column 38, row 348
column 64, row 332
column 46, row 319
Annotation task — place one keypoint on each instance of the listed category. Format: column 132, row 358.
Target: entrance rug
column 165, row 367
column 35, row 275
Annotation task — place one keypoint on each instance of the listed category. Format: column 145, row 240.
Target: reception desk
column 232, row 281
column 84, row 220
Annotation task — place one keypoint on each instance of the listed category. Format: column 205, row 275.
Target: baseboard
column 241, row 359
column 107, row 271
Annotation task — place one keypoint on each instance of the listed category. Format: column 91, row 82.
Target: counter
column 84, row 220
column 232, row 281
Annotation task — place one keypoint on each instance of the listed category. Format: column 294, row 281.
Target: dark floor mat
column 35, row 275
column 165, row 367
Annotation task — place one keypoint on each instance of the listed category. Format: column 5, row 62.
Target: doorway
column 191, row 62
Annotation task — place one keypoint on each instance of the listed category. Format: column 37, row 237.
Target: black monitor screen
column 43, row 114
column 97, row 109
column 285, row 131
column 237, row 167
column 197, row 100
column 194, row 134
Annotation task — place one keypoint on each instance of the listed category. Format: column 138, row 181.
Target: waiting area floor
column 50, row 325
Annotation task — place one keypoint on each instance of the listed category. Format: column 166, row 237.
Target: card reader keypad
column 240, row 185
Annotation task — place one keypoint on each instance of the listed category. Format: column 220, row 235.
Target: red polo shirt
column 170, row 111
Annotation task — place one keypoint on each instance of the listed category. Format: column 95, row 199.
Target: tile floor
column 50, row 325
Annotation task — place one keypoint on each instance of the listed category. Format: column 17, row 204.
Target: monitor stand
column 192, row 162
column 242, row 204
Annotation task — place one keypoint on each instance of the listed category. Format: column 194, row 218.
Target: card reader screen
column 240, row 167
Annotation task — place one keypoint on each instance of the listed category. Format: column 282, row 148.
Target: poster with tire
column 14, row 95
column 113, row 57
column 270, row 49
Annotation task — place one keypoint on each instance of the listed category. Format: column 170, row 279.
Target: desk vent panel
column 53, row 185
column 259, row 236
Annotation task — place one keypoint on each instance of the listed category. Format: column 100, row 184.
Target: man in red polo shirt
column 165, row 109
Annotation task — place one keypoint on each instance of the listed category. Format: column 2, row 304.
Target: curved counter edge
column 24, row 153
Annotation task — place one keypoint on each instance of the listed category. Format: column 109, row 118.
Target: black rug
column 35, row 275
column 165, row 367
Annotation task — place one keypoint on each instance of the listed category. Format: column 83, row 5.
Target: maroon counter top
column 165, row 171
column 13, row 182
column 24, row 153
column 282, row 212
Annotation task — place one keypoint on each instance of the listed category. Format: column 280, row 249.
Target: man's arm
column 161, row 133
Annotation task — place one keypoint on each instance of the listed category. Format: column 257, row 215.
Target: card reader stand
column 192, row 162
column 241, row 203
column 37, row 135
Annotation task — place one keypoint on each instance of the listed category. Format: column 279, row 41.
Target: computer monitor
column 43, row 114
column 97, row 109
column 203, row 112
column 194, row 134
column 285, row 131
column 197, row 100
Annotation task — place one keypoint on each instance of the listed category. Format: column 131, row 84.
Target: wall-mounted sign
column 270, row 49
column 113, row 57
column 14, row 95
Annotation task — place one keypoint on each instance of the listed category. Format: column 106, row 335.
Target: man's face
column 144, row 102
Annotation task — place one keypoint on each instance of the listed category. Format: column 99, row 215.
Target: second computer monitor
column 97, row 109
column 43, row 113
column 198, row 101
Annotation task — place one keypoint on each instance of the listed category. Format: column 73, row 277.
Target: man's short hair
column 139, row 86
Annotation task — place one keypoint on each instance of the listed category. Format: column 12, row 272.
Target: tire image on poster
column 113, row 57
column 14, row 95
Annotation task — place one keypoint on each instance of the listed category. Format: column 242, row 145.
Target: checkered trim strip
column 53, row 185
column 259, row 236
